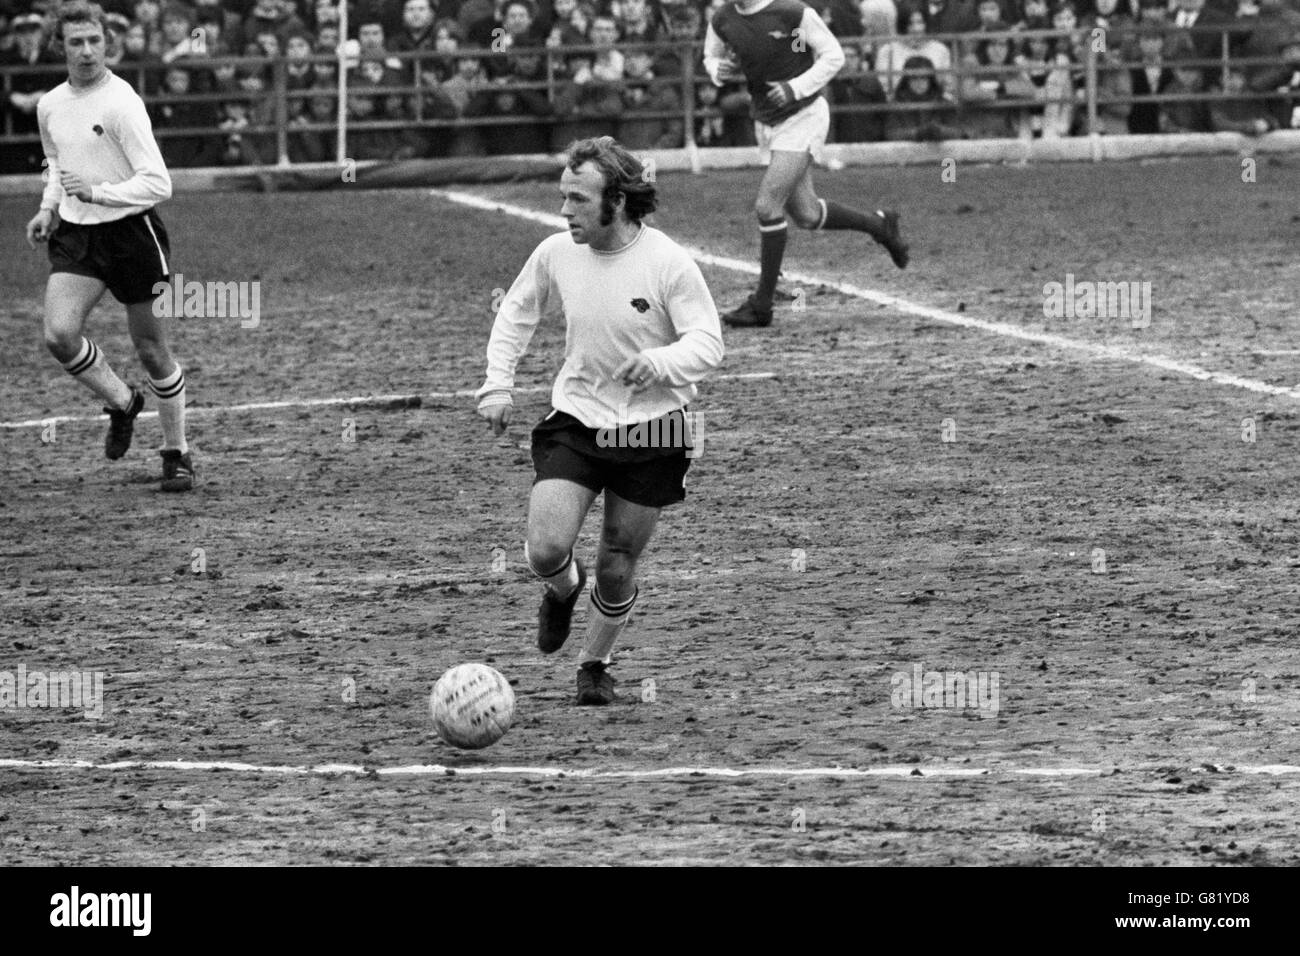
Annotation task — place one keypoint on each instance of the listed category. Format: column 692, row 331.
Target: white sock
column 170, row 392
column 561, row 581
column 92, row 370
column 604, row 625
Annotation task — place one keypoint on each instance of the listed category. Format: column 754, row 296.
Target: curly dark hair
column 622, row 172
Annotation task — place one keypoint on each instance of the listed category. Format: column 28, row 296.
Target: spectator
column 177, row 21
column 1275, row 30
column 446, row 42
column 920, row 88
column 188, row 150
column 1185, row 116
column 988, row 13
column 857, row 86
column 843, row 17
column 147, row 13
column 418, row 35
column 608, row 64
column 1206, row 25
column 520, row 95
column 1107, row 15
column 1250, row 116
column 949, row 16
column 477, row 20
column 1033, row 16
column 1049, row 72
column 367, row 94
column 299, row 76
column 370, row 45
column 635, row 24
column 990, row 76
column 584, row 105
column 641, row 95
column 682, row 23
column 1153, row 13
column 878, row 18
column 723, row 117
column 467, row 91
column 517, row 17
column 1114, row 89
column 912, row 43
column 231, row 23
column 30, row 49
column 315, row 145
column 1150, row 76
column 274, row 16
column 562, row 31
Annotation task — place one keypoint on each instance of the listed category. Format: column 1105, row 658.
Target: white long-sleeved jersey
column 648, row 296
column 102, row 134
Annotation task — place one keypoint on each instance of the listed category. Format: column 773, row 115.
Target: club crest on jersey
column 99, row 130
column 641, row 305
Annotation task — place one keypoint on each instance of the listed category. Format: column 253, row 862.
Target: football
column 472, row 706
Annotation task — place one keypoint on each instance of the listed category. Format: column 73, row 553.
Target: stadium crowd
column 533, row 75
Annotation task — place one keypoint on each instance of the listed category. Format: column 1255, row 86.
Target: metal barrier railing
column 1089, row 59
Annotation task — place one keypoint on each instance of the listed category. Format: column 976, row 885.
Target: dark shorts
column 128, row 255
column 653, row 477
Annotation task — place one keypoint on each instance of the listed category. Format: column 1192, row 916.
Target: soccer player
column 786, row 54
column 642, row 330
column 105, row 174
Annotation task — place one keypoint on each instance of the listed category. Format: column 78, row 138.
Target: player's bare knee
column 614, row 578
column 768, row 208
column 545, row 554
column 64, row 346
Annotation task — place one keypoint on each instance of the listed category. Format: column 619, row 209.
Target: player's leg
column 783, row 173
column 556, row 510
column 69, row 297
column 811, row 212
column 624, row 535
column 167, row 382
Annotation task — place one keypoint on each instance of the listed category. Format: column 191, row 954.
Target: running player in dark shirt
column 786, row 54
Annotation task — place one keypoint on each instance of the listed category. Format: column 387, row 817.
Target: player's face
column 581, row 192
column 83, row 45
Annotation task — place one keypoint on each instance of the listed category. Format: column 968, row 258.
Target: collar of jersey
column 82, row 90
column 622, row 249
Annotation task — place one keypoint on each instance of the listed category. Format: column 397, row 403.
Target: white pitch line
column 441, row 770
column 201, row 410
column 915, row 308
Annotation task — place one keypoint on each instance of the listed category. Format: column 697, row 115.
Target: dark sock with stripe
column 772, row 235
column 842, row 217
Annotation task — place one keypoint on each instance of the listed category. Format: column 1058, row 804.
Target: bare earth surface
column 1098, row 534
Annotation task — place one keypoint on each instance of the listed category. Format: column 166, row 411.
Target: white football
column 472, row 706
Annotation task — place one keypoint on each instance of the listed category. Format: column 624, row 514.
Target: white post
column 342, row 83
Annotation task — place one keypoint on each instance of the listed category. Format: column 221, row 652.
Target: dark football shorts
column 128, row 255
column 653, row 477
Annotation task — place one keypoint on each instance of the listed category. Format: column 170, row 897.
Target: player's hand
column 40, row 228
column 498, row 417
column 638, row 373
column 779, row 94
column 74, row 185
column 729, row 71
